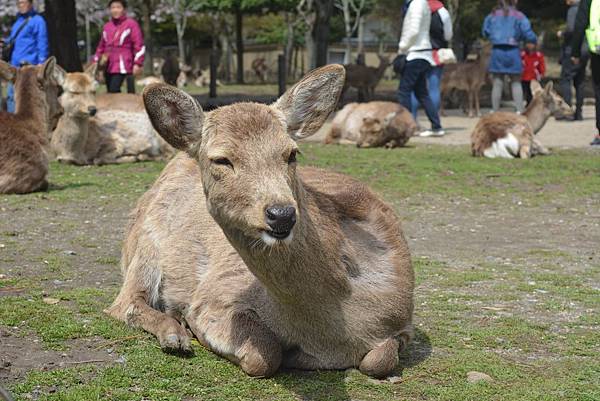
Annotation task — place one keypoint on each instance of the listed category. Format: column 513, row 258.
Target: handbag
column 399, row 63
column 446, row 56
column 8, row 48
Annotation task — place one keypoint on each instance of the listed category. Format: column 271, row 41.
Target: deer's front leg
column 238, row 336
column 538, row 149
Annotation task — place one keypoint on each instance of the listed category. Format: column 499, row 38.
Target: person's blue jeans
column 434, row 77
column 414, row 79
column 10, row 98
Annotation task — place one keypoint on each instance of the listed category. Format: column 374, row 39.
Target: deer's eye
column 292, row 157
column 223, row 161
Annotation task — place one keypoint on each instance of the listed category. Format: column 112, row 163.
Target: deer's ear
column 46, row 72
column 91, row 70
column 307, row 104
column 174, row 114
column 7, row 71
column 59, row 75
column 535, row 87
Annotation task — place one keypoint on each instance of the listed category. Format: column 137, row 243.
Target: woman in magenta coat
column 121, row 49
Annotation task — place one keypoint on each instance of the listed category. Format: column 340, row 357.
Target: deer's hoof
column 175, row 339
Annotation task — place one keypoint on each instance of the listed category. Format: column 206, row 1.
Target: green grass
column 475, row 315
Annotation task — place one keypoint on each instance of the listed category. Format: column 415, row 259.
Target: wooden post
column 281, row 73
column 239, row 44
column 212, row 92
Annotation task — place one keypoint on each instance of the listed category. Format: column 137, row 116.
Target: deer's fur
column 337, row 292
column 510, row 135
column 365, row 78
column 24, row 134
column 372, row 124
column 119, row 132
column 469, row 77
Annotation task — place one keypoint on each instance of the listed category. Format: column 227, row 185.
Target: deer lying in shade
column 510, row 135
column 268, row 263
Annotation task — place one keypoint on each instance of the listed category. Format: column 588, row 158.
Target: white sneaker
column 438, row 132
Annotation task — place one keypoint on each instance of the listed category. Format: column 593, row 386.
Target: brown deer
column 24, row 134
column 469, row 77
column 268, row 263
column 372, row 124
column 510, row 135
column 365, row 78
column 104, row 129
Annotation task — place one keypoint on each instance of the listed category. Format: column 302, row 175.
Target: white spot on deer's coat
column 507, row 147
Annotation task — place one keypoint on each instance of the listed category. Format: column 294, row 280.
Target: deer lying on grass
column 469, row 77
column 365, row 78
column 372, row 124
column 24, row 134
column 510, row 135
column 104, row 129
column 269, row 264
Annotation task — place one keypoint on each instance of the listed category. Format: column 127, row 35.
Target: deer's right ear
column 59, row 75
column 7, row 71
column 174, row 114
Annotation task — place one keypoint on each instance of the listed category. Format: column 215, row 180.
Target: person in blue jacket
column 30, row 45
column 506, row 27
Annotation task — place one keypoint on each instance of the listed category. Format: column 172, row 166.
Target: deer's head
column 247, row 152
column 79, row 93
column 553, row 102
column 376, row 131
column 36, row 82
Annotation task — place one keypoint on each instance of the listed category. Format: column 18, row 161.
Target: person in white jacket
column 415, row 43
column 440, row 33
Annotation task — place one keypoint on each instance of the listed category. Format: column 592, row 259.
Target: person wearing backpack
column 416, row 46
column 587, row 22
column 440, row 33
column 26, row 44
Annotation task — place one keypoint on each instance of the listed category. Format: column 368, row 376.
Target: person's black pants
column 571, row 74
column 527, row 91
column 596, row 79
column 114, row 82
column 414, row 79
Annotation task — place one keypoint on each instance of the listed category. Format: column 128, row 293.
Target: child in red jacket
column 534, row 68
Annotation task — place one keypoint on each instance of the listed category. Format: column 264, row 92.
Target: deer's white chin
column 270, row 240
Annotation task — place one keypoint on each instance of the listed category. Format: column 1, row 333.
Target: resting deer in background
column 365, row 78
column 510, row 135
column 268, row 263
column 469, row 77
column 24, row 134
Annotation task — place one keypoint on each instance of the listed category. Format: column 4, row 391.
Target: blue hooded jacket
column 31, row 45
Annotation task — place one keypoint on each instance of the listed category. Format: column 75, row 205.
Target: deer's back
column 492, row 127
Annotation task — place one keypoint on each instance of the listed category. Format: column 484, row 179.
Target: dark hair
column 123, row 3
column 505, row 4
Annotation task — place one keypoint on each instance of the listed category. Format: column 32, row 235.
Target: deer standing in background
column 268, row 263
column 469, row 77
column 365, row 78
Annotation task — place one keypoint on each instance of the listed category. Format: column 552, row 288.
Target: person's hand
column 137, row 70
column 559, row 34
column 575, row 60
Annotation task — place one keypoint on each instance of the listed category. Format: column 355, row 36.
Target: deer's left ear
column 548, row 88
column 307, row 104
column 535, row 87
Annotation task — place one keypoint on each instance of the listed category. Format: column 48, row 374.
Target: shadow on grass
column 56, row 187
column 332, row 385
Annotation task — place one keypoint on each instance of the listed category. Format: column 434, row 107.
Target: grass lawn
column 525, row 311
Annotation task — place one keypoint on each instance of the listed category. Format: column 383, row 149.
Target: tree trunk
column 348, row 29
column 61, row 20
column 361, row 36
column 147, row 28
column 311, row 52
column 239, row 44
column 289, row 43
column 88, row 39
column 321, row 31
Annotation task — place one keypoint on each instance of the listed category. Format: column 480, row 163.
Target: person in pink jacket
column 121, row 49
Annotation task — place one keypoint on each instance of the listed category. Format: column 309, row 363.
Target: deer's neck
column 537, row 113
column 309, row 268
column 30, row 102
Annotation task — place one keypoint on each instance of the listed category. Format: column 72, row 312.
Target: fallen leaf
column 474, row 377
column 50, row 301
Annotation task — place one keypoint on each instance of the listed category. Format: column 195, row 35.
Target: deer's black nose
column 281, row 219
column 92, row 110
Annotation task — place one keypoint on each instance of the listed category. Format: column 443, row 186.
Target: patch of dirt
column 20, row 355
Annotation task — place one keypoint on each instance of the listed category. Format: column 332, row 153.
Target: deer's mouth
column 271, row 237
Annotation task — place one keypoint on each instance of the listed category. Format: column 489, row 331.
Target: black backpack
column 436, row 32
